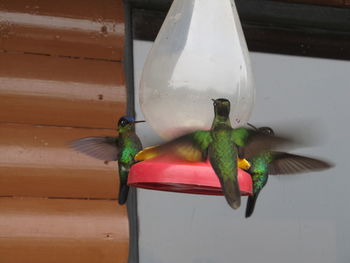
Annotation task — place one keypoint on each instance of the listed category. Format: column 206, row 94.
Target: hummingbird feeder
column 199, row 54
column 166, row 174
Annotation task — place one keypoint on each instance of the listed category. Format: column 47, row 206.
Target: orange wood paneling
column 50, row 90
column 84, row 28
column 55, row 231
column 61, row 78
column 36, row 161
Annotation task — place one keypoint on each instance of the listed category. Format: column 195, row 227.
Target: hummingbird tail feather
column 123, row 194
column 232, row 193
column 251, row 205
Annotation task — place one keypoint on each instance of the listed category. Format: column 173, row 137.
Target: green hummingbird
column 107, row 148
column 276, row 163
column 222, row 145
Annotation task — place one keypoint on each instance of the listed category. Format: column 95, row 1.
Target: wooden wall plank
column 55, row 231
column 82, row 28
column 61, row 78
column 36, row 161
column 50, row 90
column 110, row 10
column 60, row 68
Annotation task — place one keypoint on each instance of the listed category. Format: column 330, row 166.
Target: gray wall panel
column 301, row 218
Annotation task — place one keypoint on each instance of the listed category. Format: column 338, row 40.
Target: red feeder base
column 164, row 174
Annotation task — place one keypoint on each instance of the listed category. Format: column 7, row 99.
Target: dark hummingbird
column 122, row 148
column 276, row 163
column 222, row 145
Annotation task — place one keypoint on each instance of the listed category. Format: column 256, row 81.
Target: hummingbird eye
column 123, row 122
column 266, row 130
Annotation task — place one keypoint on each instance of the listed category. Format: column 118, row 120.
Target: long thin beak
column 139, row 121
column 251, row 125
column 213, row 100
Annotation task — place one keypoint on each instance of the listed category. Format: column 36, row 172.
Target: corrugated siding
column 61, row 78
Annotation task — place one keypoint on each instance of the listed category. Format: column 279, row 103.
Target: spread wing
column 286, row 163
column 252, row 142
column 190, row 147
column 102, row 148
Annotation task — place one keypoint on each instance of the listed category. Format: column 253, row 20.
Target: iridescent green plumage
column 259, row 172
column 222, row 145
column 122, row 149
column 223, row 156
column 277, row 163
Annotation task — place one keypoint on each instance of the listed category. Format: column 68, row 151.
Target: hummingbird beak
column 213, row 100
column 139, row 121
column 251, row 125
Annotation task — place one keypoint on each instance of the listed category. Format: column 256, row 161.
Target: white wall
column 302, row 218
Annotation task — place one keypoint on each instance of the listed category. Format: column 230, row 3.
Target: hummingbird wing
column 252, row 142
column 190, row 147
column 102, row 148
column 148, row 153
column 286, row 163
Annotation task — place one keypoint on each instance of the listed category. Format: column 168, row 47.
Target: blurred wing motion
column 252, row 142
column 152, row 152
column 190, row 147
column 278, row 163
column 286, row 163
column 102, row 148
column 148, row 153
